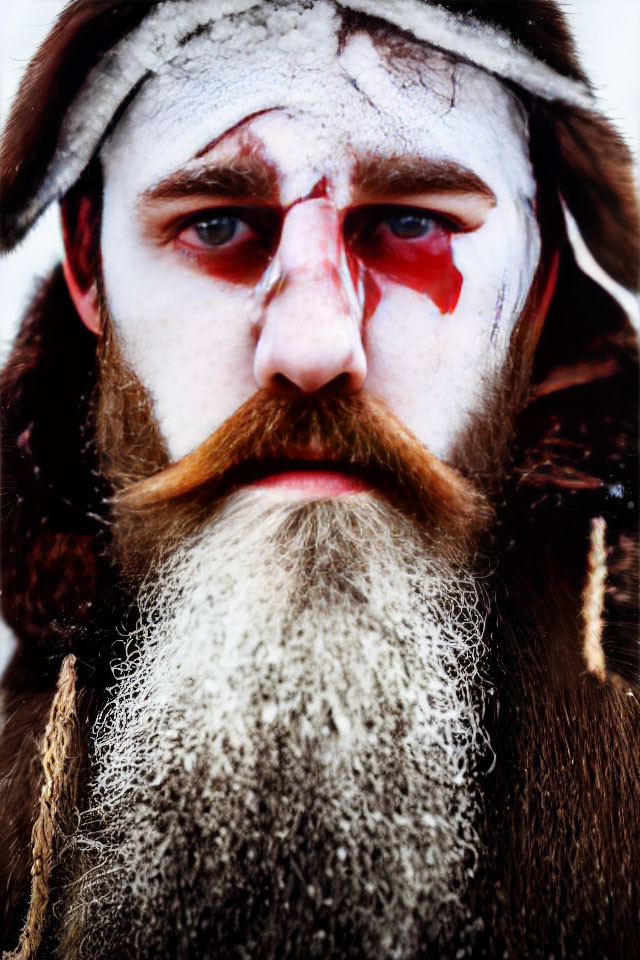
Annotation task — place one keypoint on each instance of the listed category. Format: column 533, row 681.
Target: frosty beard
column 286, row 765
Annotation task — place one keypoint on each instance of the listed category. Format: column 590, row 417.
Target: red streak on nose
column 372, row 295
column 354, row 265
column 320, row 191
column 364, row 280
column 424, row 264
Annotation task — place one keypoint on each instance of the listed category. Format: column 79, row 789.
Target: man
column 318, row 451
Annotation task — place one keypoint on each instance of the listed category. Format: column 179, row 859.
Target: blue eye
column 216, row 230
column 410, row 226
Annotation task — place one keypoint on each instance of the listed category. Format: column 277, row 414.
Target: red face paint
column 237, row 244
column 372, row 295
column 365, row 283
column 318, row 192
column 232, row 244
column 424, row 264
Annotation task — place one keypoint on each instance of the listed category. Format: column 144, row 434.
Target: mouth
column 305, row 477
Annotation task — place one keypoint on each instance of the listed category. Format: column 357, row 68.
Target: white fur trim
column 480, row 44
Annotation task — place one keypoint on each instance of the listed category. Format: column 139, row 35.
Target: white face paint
column 314, row 279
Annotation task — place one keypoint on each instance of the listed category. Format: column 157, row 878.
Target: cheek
column 433, row 369
column 426, row 366
column 186, row 337
column 424, row 265
column 498, row 263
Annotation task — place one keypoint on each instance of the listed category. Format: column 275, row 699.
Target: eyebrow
column 378, row 176
column 374, row 176
column 235, row 181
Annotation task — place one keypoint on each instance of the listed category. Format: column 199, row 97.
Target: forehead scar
column 320, row 190
column 234, row 129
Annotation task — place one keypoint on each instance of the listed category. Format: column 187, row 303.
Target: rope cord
column 593, row 600
column 58, row 740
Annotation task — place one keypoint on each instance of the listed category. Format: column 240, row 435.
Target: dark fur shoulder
column 59, row 590
column 57, row 585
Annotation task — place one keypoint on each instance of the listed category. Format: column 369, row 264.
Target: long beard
column 286, row 767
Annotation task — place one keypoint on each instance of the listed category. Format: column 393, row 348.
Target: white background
column 608, row 36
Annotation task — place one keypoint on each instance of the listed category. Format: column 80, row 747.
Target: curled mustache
column 355, row 434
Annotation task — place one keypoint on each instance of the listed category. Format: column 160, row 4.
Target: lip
column 306, row 477
column 315, row 481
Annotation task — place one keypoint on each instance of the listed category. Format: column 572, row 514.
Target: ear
column 79, row 266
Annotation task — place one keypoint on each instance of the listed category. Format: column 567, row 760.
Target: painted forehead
column 371, row 93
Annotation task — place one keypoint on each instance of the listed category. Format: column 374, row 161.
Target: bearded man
column 319, row 490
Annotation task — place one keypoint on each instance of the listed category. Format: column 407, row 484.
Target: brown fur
column 83, row 33
column 57, row 798
column 22, row 777
column 565, row 784
column 59, row 590
column 19, row 790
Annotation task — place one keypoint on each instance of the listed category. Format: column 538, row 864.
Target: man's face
column 299, row 215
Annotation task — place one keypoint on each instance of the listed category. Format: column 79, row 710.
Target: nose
column 310, row 335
